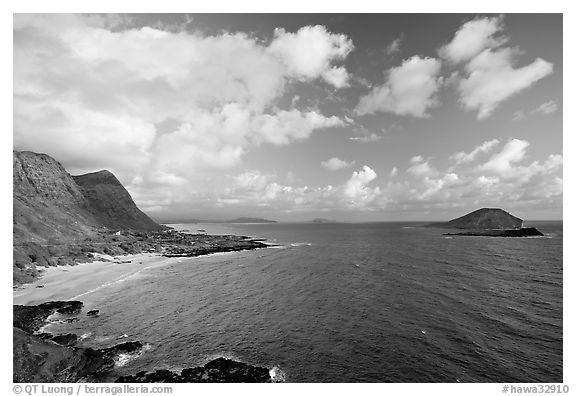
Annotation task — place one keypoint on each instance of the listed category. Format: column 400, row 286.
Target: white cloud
column 92, row 91
column 491, row 75
column 356, row 190
column 309, row 52
column 422, row 169
column 409, row 90
column 549, row 107
column 336, row 163
column 363, row 135
column 395, row 46
column 260, row 189
column 501, row 162
column 505, row 180
column 286, row 126
column 462, row 157
column 493, row 79
column 416, row 159
column 509, row 181
column 472, row 38
column 518, row 116
column 370, row 137
column 337, row 76
column 252, row 180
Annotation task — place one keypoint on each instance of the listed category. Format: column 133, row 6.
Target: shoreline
column 62, row 283
column 70, row 282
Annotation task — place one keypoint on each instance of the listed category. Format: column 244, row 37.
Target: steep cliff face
column 53, row 211
column 484, row 219
column 110, row 203
column 47, row 203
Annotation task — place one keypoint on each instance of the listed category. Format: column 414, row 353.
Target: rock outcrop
column 31, row 318
column 513, row 233
column 217, row 370
column 46, row 357
column 38, row 360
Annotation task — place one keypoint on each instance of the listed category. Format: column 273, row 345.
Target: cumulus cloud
column 159, row 105
column 507, row 179
column 264, row 190
column 492, row 79
column 356, row 190
column 491, row 75
column 422, row 169
column 462, row 157
column 501, row 162
column 309, row 52
column 472, row 38
column 336, row 163
column 416, row 159
column 337, row 76
column 409, row 90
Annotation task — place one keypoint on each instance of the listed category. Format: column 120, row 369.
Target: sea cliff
column 60, row 219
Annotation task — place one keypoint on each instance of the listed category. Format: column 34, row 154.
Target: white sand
column 70, row 282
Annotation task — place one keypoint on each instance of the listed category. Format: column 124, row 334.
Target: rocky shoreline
column 43, row 357
column 511, row 233
column 30, row 257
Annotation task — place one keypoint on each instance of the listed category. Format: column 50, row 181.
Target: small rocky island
column 491, row 222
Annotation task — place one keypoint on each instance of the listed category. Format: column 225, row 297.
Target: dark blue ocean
column 373, row 302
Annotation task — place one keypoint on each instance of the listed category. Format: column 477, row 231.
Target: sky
column 352, row 117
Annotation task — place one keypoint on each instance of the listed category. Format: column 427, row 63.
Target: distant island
column 321, row 221
column 493, row 222
column 239, row 220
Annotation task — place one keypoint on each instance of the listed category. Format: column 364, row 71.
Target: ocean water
column 374, row 302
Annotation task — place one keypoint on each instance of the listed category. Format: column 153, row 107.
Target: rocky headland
column 491, row 222
column 59, row 219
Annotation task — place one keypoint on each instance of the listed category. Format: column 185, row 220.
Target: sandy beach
column 72, row 282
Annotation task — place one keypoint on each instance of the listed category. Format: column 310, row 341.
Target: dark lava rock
column 61, row 339
column 514, row 233
column 30, row 318
column 38, row 360
column 93, row 313
column 218, row 370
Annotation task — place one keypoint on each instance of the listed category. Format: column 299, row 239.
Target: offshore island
column 490, row 222
column 62, row 220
